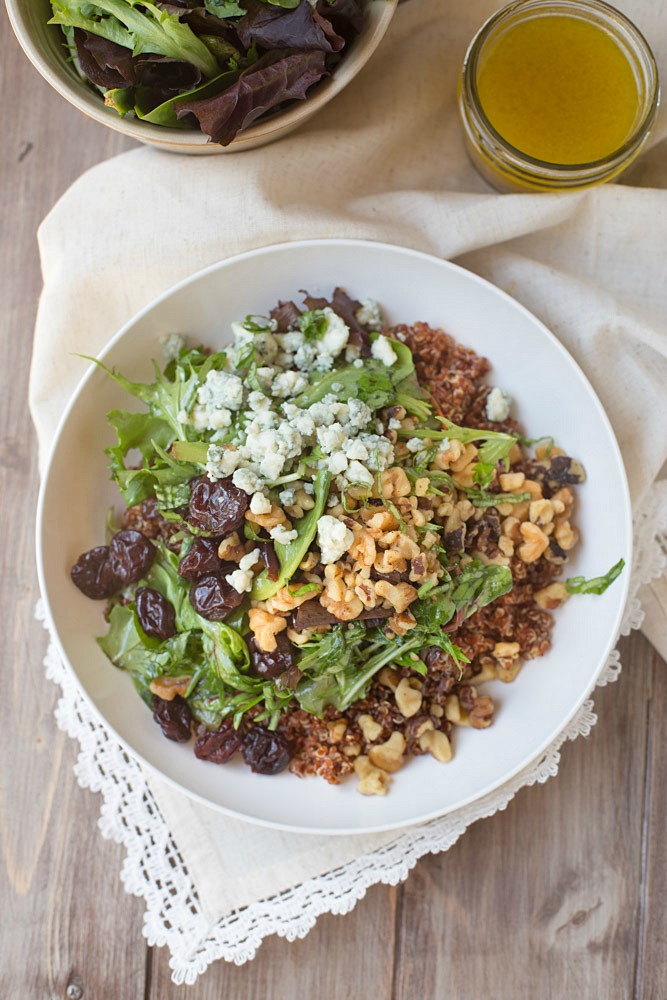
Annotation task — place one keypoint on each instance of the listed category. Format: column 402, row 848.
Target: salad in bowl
column 334, row 535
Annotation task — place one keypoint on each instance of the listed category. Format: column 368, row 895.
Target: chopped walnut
column 231, row 548
column 400, row 624
column 512, row 481
column 168, row 687
column 389, row 677
column 535, row 542
column 265, row 627
column 389, row 756
column 286, row 599
column 481, row 714
column 408, row 696
column 274, row 517
column 399, row 595
column 373, row 780
column 437, row 743
column 395, row 483
column 566, row 536
column 551, row 597
column 369, row 727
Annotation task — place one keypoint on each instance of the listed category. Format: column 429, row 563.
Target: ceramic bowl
column 551, row 396
column 43, row 44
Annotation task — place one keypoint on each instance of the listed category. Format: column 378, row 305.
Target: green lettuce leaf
column 142, row 27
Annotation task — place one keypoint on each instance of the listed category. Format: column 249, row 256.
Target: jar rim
column 609, row 18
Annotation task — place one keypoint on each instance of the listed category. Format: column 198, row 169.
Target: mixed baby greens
column 217, row 64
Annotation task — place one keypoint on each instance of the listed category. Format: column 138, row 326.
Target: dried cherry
column 156, row 614
column 130, row 555
column 219, row 745
column 173, row 717
column 266, row 752
column 270, row 560
column 212, row 597
column 93, row 575
column 272, row 664
column 200, row 559
column 218, row 507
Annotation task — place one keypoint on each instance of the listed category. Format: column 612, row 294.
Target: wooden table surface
column 561, row 896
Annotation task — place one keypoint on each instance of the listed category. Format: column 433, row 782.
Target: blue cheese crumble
column 498, row 404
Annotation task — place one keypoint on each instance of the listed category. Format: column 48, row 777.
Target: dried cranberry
column 201, row 558
column 212, row 597
column 266, row 752
column 270, row 560
column 156, row 614
column 93, row 575
column 218, row 507
column 272, row 664
column 220, row 745
column 173, row 718
column 130, row 555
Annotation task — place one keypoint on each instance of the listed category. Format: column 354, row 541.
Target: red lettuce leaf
column 301, row 28
column 113, row 66
column 346, row 308
column 346, row 16
column 103, row 62
column 275, row 78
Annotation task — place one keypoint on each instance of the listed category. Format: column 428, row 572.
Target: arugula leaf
column 142, row 27
column 375, row 384
column 409, row 393
column 137, row 431
column 312, row 324
column 339, row 666
column 495, row 449
column 478, row 496
column 597, row 584
column 291, row 555
column 129, row 648
column 171, row 497
column 372, row 384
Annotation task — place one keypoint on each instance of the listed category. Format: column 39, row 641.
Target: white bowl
column 551, row 395
column 43, row 45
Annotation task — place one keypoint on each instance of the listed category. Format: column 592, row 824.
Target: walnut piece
column 551, row 597
column 168, row 687
column 408, row 696
column 389, row 756
column 265, row 627
column 437, row 743
column 373, row 781
column 369, row 727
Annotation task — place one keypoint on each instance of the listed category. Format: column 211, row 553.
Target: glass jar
column 556, row 94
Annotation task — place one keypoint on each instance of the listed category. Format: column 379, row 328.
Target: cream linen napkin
column 384, row 161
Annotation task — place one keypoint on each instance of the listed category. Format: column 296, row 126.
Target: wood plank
column 66, row 919
column 341, row 958
column 541, row 900
column 651, row 982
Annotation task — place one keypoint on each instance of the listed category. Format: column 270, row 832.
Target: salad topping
column 318, row 565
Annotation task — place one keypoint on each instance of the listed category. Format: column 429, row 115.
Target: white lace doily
column 154, row 869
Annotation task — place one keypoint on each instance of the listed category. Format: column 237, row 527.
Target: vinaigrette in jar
column 557, row 94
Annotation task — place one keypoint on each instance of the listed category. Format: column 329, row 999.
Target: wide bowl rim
column 624, row 581
column 85, row 100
